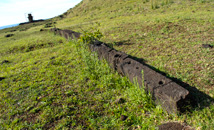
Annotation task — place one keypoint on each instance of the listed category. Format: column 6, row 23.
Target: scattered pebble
column 5, row 61
column 207, row 46
column 52, row 57
column 9, row 35
column 1, row 78
column 119, row 101
column 123, row 117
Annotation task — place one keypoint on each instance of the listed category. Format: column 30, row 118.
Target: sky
column 16, row 11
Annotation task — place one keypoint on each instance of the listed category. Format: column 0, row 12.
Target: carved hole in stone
column 160, row 82
column 129, row 62
column 137, row 67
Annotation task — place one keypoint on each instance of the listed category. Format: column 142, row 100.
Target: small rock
column 1, row 78
column 36, row 62
column 52, row 57
column 123, row 117
column 9, row 35
column 13, row 30
column 207, row 46
column 5, row 61
column 119, row 101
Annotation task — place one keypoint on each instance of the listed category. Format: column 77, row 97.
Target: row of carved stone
column 171, row 96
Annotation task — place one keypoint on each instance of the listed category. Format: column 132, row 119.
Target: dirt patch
column 170, row 27
column 174, row 126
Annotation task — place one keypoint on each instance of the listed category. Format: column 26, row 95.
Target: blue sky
column 15, row 11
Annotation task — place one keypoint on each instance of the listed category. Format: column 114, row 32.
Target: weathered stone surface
column 103, row 51
column 170, row 96
column 132, row 69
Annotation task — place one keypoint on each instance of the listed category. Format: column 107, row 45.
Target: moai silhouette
column 30, row 18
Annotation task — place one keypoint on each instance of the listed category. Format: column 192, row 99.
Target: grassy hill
column 48, row 82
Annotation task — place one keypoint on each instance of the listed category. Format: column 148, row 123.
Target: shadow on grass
column 197, row 100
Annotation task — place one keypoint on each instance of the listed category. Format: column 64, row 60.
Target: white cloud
column 14, row 11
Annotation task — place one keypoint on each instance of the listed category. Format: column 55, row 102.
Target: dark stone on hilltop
column 1, row 78
column 61, row 16
column 9, row 35
column 207, row 46
column 123, row 117
column 30, row 17
column 5, row 62
column 174, row 126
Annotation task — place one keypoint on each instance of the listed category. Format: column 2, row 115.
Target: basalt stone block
column 115, row 58
column 154, row 79
column 132, row 69
column 70, row 34
column 171, row 96
column 103, row 51
column 55, row 30
column 66, row 33
column 95, row 46
column 164, row 91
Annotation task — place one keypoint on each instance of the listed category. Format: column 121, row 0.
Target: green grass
column 65, row 86
column 53, row 83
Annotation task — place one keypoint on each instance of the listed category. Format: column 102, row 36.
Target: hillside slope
column 48, row 82
column 169, row 37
